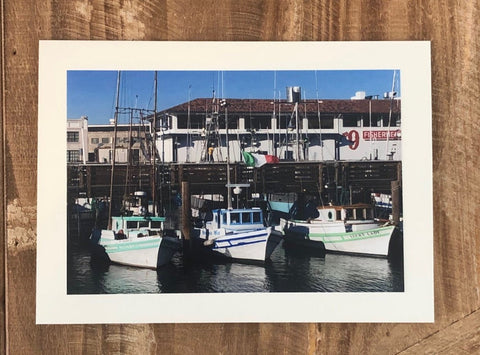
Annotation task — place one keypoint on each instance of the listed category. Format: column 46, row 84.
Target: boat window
column 256, row 217
column 156, row 224
column 246, row 217
column 234, row 218
column 131, row 224
column 339, row 215
column 143, row 224
column 224, row 218
column 359, row 213
column 348, row 214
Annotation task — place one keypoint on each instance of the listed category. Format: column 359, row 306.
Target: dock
column 326, row 177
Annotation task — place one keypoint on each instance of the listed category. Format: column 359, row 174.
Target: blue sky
column 92, row 93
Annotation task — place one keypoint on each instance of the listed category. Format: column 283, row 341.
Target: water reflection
column 290, row 270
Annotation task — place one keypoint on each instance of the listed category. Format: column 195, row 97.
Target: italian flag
column 258, row 160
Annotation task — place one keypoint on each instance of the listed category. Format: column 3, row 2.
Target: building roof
column 202, row 105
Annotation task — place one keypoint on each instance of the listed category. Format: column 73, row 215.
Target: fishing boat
column 239, row 234
column 137, row 236
column 137, row 241
column 345, row 229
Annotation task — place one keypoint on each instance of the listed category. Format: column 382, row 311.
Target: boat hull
column 147, row 252
column 246, row 246
column 366, row 239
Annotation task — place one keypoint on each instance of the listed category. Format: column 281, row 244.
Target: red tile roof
column 266, row 106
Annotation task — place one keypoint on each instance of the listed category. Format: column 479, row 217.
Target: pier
column 327, row 177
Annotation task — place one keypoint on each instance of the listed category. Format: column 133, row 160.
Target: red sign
column 381, row 135
column 353, row 137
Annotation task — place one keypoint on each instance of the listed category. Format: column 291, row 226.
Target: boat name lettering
column 366, row 234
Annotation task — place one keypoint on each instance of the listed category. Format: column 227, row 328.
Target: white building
column 77, row 140
column 357, row 129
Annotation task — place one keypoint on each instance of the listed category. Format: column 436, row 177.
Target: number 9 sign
column 353, row 137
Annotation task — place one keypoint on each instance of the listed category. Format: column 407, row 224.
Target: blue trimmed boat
column 239, row 234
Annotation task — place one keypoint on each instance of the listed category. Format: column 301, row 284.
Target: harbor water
column 289, row 270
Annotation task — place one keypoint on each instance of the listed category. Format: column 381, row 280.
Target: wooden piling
column 186, row 210
column 396, row 195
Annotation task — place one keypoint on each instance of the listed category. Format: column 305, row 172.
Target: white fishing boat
column 136, row 237
column 344, row 229
column 137, row 241
column 240, row 234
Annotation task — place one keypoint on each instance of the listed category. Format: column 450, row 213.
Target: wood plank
column 3, row 219
column 454, row 30
column 460, row 337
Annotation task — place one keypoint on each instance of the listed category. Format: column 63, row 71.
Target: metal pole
column 297, row 132
column 114, row 145
column 229, row 191
column 154, row 142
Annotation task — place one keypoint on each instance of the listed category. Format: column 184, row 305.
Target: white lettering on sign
column 381, row 135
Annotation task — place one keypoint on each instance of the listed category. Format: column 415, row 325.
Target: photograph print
column 222, row 180
column 234, row 181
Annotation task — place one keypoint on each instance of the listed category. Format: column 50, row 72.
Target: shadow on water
column 289, row 270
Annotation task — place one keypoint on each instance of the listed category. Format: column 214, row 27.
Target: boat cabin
column 136, row 226
column 236, row 219
column 357, row 212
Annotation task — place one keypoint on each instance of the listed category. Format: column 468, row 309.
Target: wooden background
column 453, row 28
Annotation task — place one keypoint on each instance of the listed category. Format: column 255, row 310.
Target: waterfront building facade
column 314, row 130
column 361, row 128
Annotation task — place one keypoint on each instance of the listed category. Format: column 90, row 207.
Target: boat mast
column 188, row 126
column 154, row 142
column 129, row 156
column 297, row 132
column 114, row 146
column 229, row 191
column 390, row 114
column 319, row 117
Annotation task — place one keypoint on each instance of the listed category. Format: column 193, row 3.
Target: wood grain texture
column 453, row 28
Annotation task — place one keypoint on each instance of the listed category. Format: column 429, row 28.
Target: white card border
column 415, row 304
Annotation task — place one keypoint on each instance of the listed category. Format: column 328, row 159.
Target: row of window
column 104, row 140
column 73, row 137
column 242, row 218
column 287, row 121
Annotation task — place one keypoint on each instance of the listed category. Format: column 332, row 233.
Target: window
column 135, row 155
column 234, row 218
column 246, row 218
column 72, row 136
column 95, row 140
column 327, row 122
column 394, row 120
column 73, row 156
column 131, row 225
column 105, row 140
column 156, row 224
column 375, row 120
column 350, row 121
column 256, row 217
